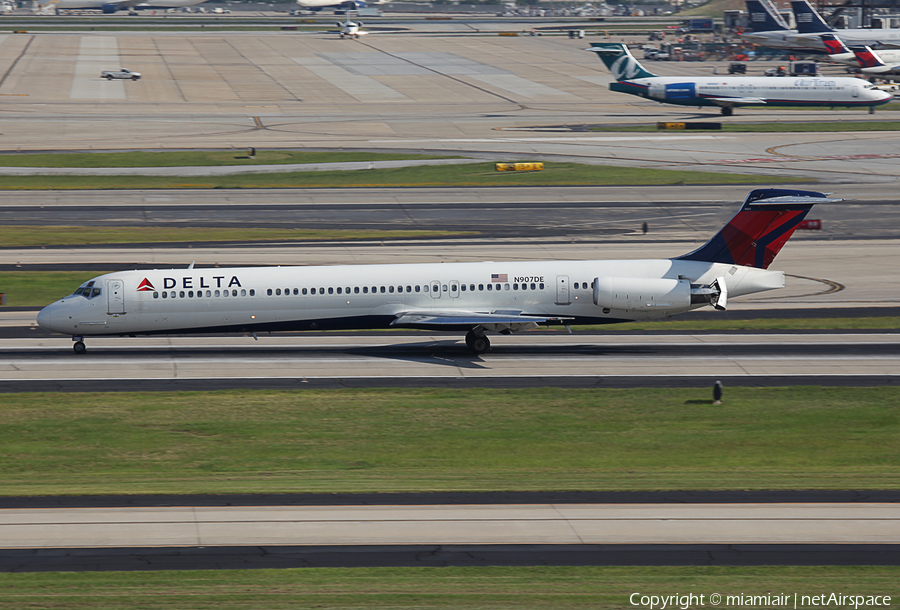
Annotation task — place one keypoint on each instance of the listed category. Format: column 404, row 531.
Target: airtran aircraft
column 730, row 91
column 474, row 298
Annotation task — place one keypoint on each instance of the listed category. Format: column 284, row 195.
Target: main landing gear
column 727, row 111
column 78, row 346
column 477, row 342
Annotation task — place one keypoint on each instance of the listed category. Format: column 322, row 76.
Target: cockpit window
column 87, row 290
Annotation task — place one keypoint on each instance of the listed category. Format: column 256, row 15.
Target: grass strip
column 456, row 440
column 777, row 127
column 198, row 158
column 513, row 588
column 17, row 236
column 475, row 174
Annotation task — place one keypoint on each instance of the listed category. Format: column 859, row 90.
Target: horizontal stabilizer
column 791, row 200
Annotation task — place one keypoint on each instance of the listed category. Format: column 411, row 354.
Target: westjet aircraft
column 474, row 298
column 730, row 91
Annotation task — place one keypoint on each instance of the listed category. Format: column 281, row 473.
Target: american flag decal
column 499, row 277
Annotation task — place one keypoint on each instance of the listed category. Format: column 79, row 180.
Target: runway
column 479, row 534
column 596, row 213
column 423, row 360
column 565, row 524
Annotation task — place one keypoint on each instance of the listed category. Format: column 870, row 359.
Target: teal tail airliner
column 727, row 92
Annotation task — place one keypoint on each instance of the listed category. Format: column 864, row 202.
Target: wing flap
column 737, row 101
column 491, row 321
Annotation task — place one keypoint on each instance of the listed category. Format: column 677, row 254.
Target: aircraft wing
column 496, row 321
column 736, row 101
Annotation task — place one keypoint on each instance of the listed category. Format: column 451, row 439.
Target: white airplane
column 350, row 29
column 474, row 298
column 111, row 6
column 318, row 5
column 810, row 26
column 730, row 91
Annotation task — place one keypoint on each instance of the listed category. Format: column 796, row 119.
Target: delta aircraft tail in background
column 727, row 92
column 474, row 298
column 885, row 62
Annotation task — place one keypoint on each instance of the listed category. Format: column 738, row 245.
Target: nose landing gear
column 78, row 346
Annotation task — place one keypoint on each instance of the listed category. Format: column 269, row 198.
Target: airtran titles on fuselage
column 216, row 281
column 815, row 82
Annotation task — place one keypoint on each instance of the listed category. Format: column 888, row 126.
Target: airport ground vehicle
column 123, row 73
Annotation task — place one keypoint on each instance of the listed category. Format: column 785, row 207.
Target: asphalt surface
column 485, row 213
column 243, row 558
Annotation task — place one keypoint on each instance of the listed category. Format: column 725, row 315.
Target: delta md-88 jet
column 475, row 298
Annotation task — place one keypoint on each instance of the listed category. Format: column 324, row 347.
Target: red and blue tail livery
column 866, row 57
column 756, row 234
column 833, row 44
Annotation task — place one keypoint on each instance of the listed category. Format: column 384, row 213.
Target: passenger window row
column 190, row 294
column 399, row 289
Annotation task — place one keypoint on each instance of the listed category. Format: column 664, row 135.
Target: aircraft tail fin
column 764, row 17
column 808, row 19
column 621, row 63
column 755, row 235
column 866, row 57
column 834, row 44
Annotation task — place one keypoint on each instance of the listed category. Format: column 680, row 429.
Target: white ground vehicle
column 124, row 73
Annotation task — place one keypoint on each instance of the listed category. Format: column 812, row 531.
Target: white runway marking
column 363, row 88
column 520, row 86
column 97, row 53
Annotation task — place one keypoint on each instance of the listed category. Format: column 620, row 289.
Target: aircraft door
column 435, row 289
column 562, row 290
column 454, row 289
column 115, row 296
column 854, row 91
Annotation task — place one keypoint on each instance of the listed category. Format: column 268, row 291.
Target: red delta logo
column 145, row 285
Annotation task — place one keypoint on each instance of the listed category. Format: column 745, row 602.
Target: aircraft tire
column 480, row 344
column 727, row 111
column 79, row 347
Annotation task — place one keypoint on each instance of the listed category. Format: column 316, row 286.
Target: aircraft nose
column 45, row 318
